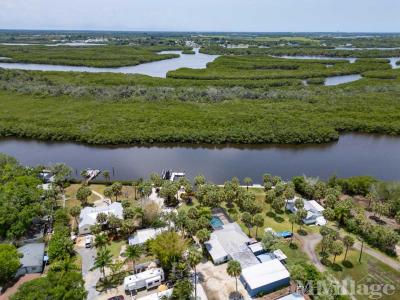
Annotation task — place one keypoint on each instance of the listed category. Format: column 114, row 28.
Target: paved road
column 90, row 277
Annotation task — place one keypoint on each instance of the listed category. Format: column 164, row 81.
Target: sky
column 203, row 15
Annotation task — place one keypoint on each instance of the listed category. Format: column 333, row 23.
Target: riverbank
column 352, row 155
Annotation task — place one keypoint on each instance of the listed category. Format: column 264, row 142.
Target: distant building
column 88, row 215
column 32, row 259
column 265, row 277
column 313, row 208
column 147, row 279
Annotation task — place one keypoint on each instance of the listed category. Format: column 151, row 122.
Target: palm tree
column 133, row 252
column 100, row 241
column 194, row 259
column 348, row 241
column 106, row 175
column 234, row 269
column 292, row 219
column 103, row 259
column 248, row 181
column 75, row 211
column 258, row 222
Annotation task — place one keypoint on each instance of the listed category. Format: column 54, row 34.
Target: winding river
column 154, row 69
column 353, row 154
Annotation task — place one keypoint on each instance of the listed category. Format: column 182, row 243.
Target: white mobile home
column 147, row 279
column 313, row 208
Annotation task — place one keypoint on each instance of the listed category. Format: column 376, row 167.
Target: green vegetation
column 19, row 198
column 64, row 279
column 9, row 260
column 299, row 51
column 187, row 51
column 93, row 56
column 288, row 121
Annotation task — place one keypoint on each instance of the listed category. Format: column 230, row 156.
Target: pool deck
column 221, row 214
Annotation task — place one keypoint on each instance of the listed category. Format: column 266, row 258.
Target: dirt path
column 102, row 201
column 309, row 243
column 379, row 256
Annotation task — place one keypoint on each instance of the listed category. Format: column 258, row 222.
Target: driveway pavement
column 91, row 277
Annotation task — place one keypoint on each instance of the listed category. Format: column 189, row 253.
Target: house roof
column 32, row 254
column 231, row 240
column 264, row 273
column 256, row 247
column 215, row 249
column 143, row 235
column 88, row 214
column 314, row 205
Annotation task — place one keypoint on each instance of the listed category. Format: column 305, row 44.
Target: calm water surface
column 336, row 80
column 352, row 155
column 155, row 69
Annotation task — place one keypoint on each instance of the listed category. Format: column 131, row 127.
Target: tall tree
column 82, row 194
column 133, row 253
column 336, row 249
column 269, row 241
column 258, row 222
column 168, row 247
column 9, row 262
column 248, row 181
column 103, row 259
column 199, row 180
column 75, row 211
column 247, row 219
column 116, row 188
column 203, row 235
column 301, row 214
column 194, row 258
column 234, row 269
column 106, row 175
column 100, row 241
column 348, row 242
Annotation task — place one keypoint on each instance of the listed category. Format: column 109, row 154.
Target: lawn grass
column 369, row 271
column 115, row 247
column 278, row 222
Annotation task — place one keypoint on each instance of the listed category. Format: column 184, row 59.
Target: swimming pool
column 216, row 222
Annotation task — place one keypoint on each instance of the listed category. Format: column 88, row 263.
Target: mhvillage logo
column 370, row 287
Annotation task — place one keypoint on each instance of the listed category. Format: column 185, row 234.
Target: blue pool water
column 216, row 222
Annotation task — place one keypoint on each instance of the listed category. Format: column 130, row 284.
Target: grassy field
column 93, row 56
column 369, row 271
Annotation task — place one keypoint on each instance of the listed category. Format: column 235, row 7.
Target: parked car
column 88, row 241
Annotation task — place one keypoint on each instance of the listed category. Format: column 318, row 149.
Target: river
column 353, row 154
column 154, row 69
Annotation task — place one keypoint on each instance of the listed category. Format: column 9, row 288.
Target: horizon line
column 195, row 31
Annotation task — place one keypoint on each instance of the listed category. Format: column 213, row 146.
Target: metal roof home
column 88, row 215
column 32, row 258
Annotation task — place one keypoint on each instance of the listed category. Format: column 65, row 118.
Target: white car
column 88, row 241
